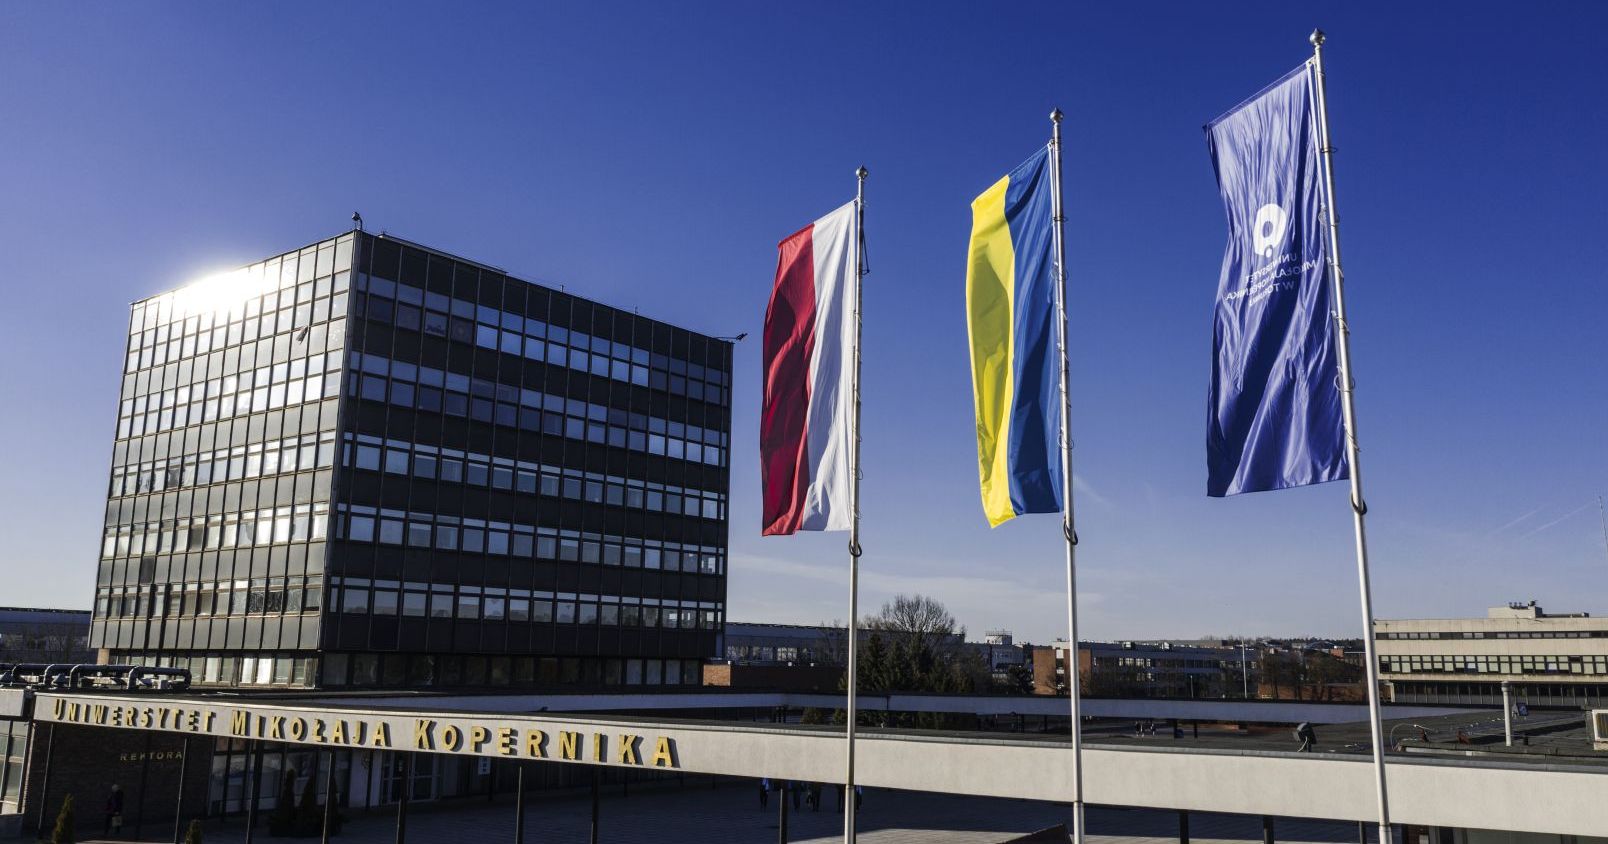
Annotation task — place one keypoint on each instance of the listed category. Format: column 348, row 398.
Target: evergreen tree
column 62, row 833
column 309, row 817
column 283, row 821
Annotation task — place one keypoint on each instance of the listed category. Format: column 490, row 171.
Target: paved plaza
column 730, row 814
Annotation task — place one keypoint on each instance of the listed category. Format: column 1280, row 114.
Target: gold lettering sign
column 512, row 738
column 664, row 754
column 628, row 749
column 535, row 744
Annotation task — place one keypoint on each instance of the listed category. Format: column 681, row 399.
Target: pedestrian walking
column 764, row 792
column 839, row 787
column 114, row 812
column 793, row 790
column 859, row 796
column 815, row 796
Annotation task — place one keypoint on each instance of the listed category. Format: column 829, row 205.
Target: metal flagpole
column 1067, row 525
column 1359, row 506
column 854, row 510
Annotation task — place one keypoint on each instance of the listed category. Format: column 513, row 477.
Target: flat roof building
column 369, row 463
column 1137, row 669
column 34, row 635
column 1549, row 659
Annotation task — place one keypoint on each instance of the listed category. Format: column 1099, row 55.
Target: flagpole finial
column 861, row 173
column 1316, row 38
column 1055, row 115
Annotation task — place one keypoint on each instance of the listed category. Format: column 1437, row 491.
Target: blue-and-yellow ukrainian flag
column 1010, row 316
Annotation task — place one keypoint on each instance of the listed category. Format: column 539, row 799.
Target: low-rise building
column 1137, row 669
column 1548, row 659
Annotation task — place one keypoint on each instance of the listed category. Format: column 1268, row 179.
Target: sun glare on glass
column 219, row 293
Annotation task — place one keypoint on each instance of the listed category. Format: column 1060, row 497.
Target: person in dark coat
column 114, row 811
column 764, row 792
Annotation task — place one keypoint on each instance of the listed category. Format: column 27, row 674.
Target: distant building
column 1000, row 652
column 747, row 643
column 44, row 636
column 1550, row 659
column 1137, row 669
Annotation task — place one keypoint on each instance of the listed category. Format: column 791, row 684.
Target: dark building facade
column 370, row 463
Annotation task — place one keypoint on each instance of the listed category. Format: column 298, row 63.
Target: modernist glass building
column 367, row 463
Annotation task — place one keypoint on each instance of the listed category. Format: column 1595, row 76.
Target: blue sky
column 651, row 156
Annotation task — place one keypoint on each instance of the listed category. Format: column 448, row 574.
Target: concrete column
column 1183, row 826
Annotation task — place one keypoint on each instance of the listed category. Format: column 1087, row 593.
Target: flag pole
column 854, row 511
column 1067, row 525
column 1359, row 506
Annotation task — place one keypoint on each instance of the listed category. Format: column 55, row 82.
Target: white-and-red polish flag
column 804, row 436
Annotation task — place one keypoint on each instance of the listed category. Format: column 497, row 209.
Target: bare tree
column 924, row 621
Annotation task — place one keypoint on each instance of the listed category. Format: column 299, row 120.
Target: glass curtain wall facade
column 368, row 463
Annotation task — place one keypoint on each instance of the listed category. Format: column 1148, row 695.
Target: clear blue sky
column 652, row 155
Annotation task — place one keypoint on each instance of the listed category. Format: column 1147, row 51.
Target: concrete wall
column 1460, row 794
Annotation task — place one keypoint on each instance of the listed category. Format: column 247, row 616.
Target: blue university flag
column 1274, row 405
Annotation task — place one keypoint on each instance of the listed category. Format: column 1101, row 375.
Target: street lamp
column 1245, row 674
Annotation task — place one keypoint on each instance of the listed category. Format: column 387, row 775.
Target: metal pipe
column 781, row 835
column 854, row 514
column 329, row 798
column 519, row 803
column 178, row 804
column 404, row 763
column 44, row 785
column 596, row 777
column 1359, row 506
column 1068, row 525
column 256, row 788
